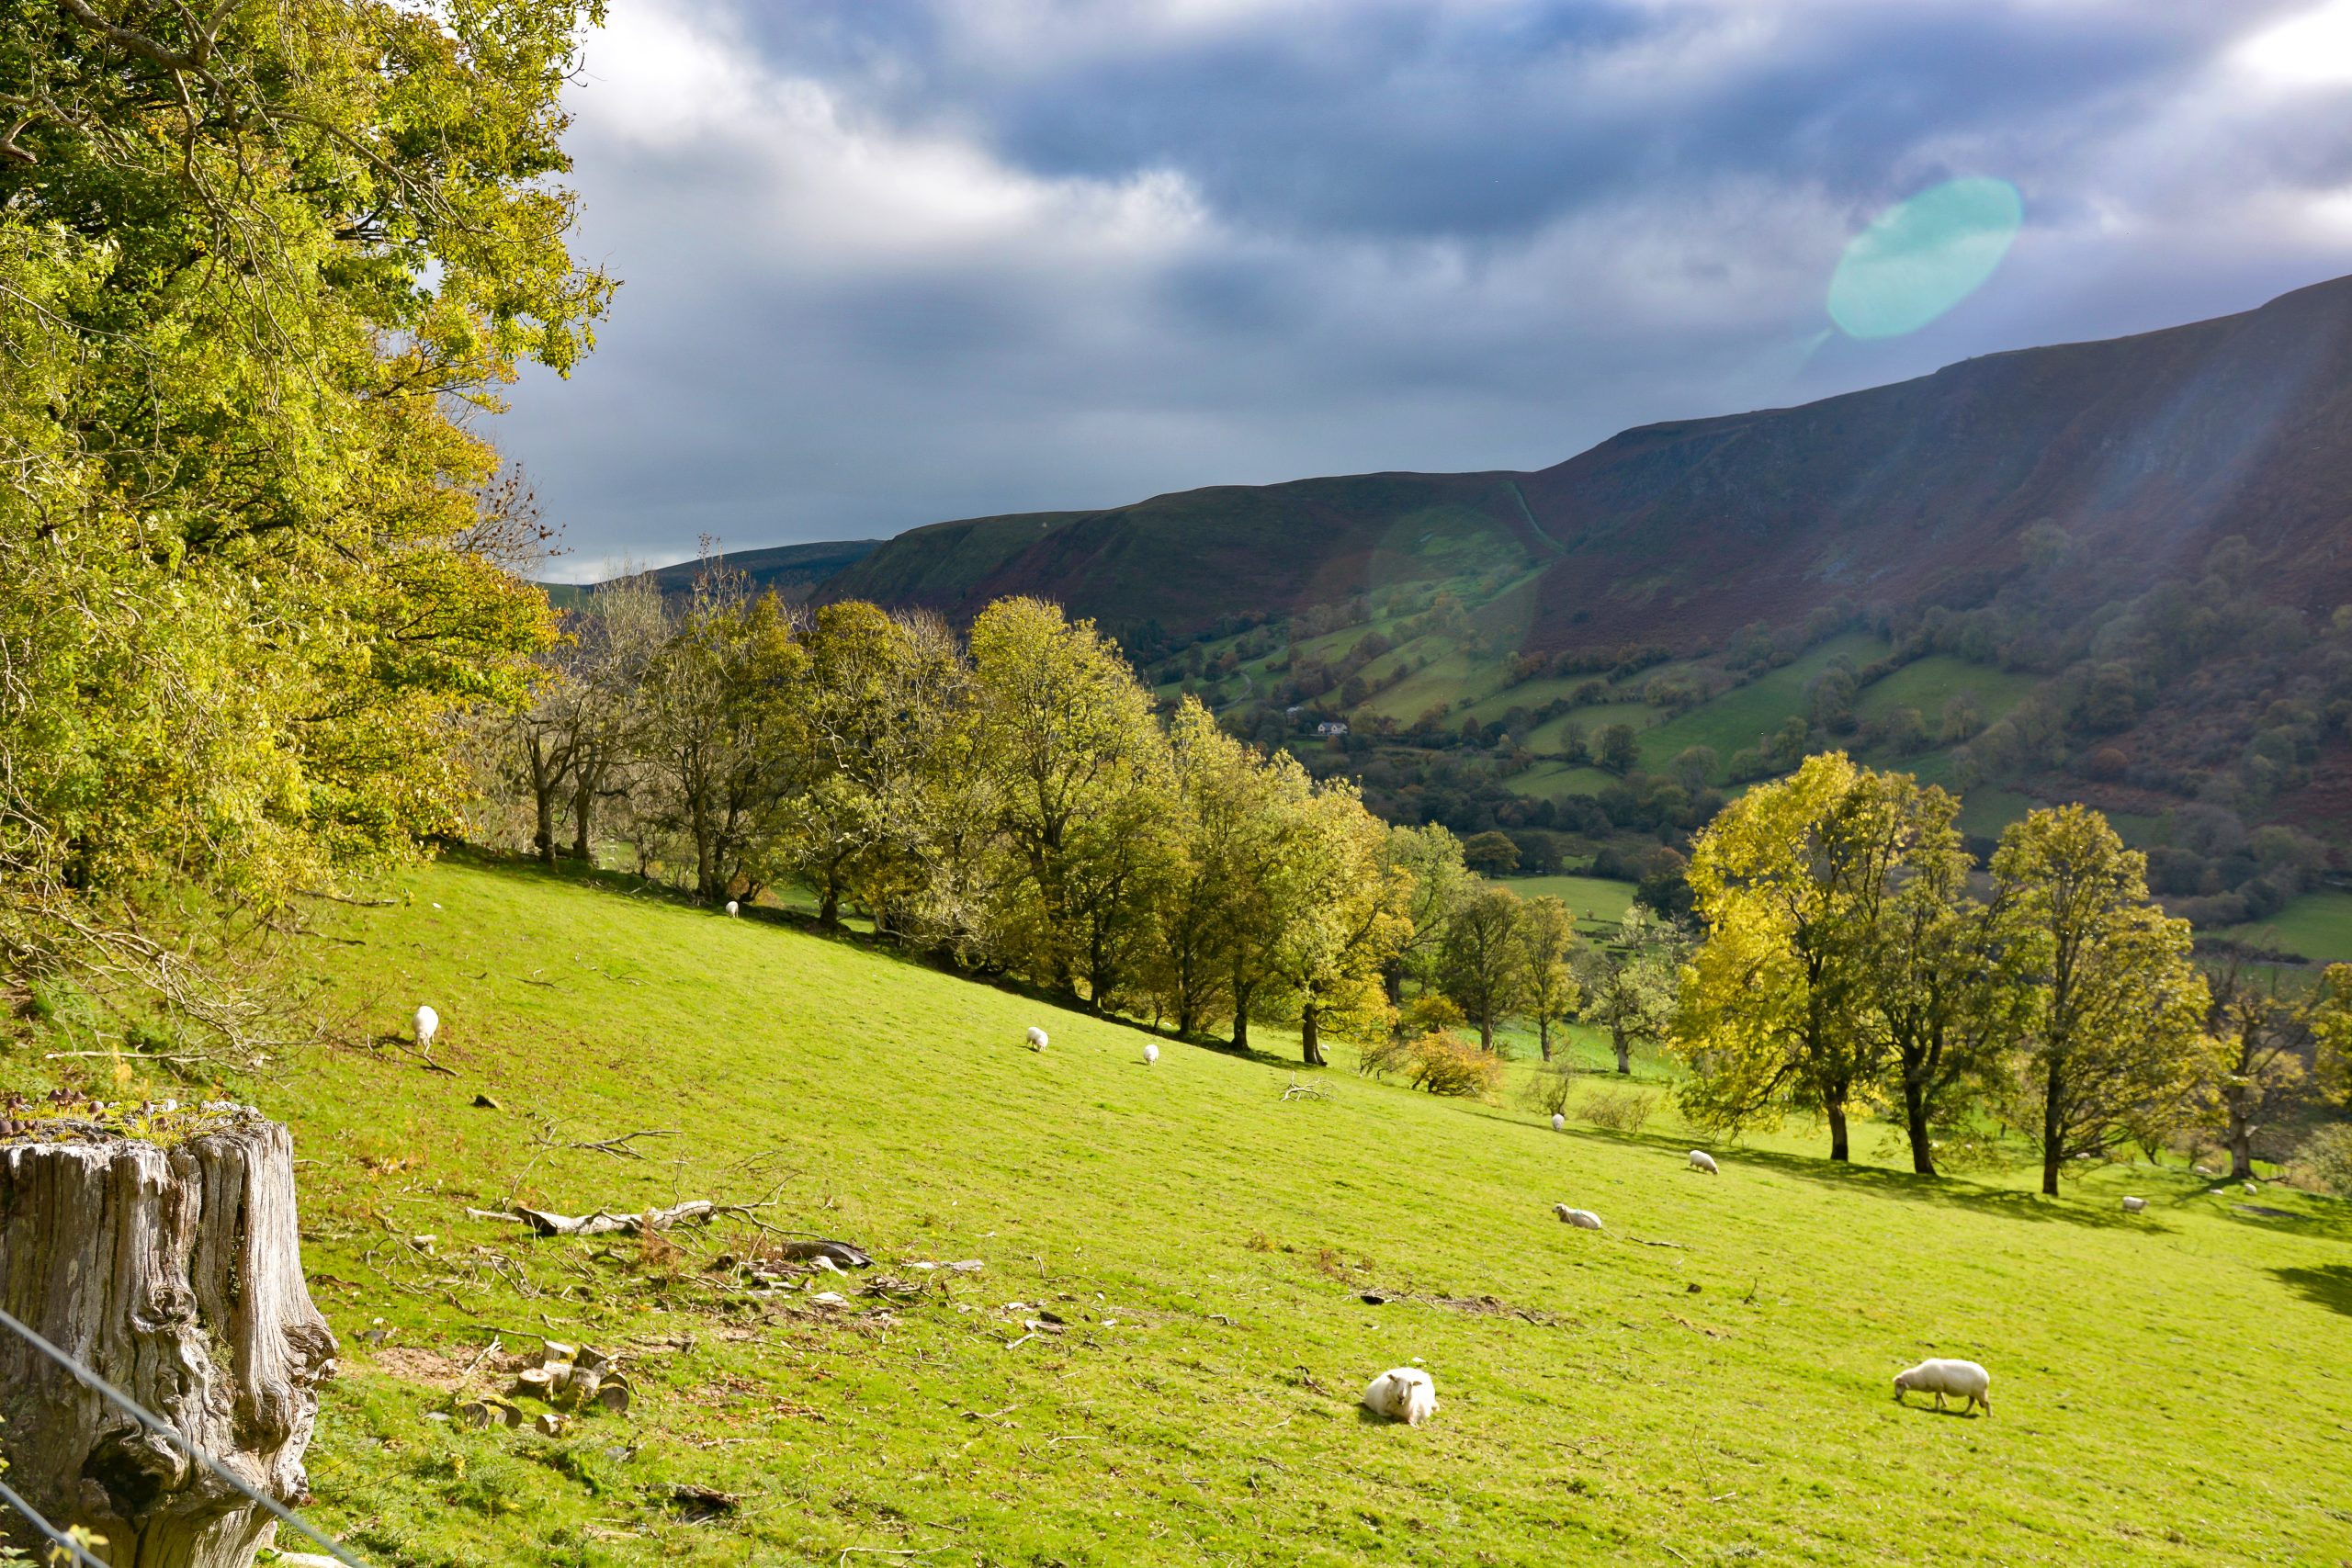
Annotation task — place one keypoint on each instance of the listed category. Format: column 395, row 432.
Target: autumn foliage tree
column 257, row 265
column 2112, row 1005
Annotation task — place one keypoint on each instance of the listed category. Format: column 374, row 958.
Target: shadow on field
column 2328, row 1285
column 1875, row 1181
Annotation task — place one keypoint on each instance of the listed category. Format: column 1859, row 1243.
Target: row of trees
column 1010, row 800
column 1855, row 952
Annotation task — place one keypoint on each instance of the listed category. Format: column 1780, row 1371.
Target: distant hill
column 2146, row 450
column 792, row 571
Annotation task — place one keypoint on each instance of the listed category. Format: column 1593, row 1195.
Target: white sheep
column 1036, row 1038
column 2134, row 1205
column 428, row 1024
column 2201, row 1170
column 1583, row 1219
column 1402, row 1393
column 731, row 907
column 2252, row 1190
column 1559, row 1123
column 1962, row 1380
column 1150, row 1054
column 1701, row 1160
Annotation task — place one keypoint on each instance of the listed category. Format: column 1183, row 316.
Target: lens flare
column 1922, row 256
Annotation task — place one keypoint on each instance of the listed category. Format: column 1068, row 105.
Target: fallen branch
column 620, row 1144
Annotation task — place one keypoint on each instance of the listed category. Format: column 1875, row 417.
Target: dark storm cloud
column 892, row 263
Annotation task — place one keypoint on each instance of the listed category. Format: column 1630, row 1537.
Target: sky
column 887, row 263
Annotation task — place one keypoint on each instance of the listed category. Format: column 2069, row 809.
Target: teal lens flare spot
column 1920, row 257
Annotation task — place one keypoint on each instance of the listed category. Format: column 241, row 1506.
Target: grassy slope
column 1726, row 1401
column 2317, row 925
column 1745, row 715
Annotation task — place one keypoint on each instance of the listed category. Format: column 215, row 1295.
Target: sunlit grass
column 2170, row 1390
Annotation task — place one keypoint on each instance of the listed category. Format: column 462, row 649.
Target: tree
column 1617, row 748
column 1788, row 882
column 1480, row 968
column 1547, row 985
column 880, row 699
column 721, row 736
column 255, row 262
column 1080, row 770
column 2261, row 1031
column 2114, row 1010
column 1430, row 858
column 1339, row 912
column 1223, row 795
column 1629, row 983
column 614, row 637
column 1941, row 1001
column 1490, row 853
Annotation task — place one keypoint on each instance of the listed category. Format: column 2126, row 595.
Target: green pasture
column 1741, row 716
column 1704, row 1382
column 2316, row 925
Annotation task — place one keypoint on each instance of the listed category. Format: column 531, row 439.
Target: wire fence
column 161, row 1428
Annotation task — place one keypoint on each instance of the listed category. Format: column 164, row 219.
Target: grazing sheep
column 1559, row 1123
column 2201, row 1170
column 1962, row 1380
column 428, row 1024
column 2134, row 1205
column 1150, row 1054
column 1036, row 1038
column 1402, row 1393
column 1701, row 1160
column 1583, row 1219
column 731, row 906
column 2252, row 1190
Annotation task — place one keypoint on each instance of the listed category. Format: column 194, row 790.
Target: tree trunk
column 1914, row 1123
column 1240, row 1012
column 1486, row 1033
column 828, row 906
column 545, row 781
column 1838, row 1148
column 583, row 802
column 1624, row 1054
column 175, row 1274
column 2241, row 1139
column 1309, row 1038
column 1544, row 1036
column 2052, row 1131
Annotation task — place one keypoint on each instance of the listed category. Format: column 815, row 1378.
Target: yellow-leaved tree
column 2112, row 1006
column 1788, row 882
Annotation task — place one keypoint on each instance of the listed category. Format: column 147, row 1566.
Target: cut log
column 175, row 1274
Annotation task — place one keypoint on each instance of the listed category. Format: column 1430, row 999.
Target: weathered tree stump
column 172, row 1269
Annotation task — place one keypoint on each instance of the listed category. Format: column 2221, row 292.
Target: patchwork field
column 1706, row 1383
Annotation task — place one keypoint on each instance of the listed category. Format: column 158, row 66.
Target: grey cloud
column 1429, row 237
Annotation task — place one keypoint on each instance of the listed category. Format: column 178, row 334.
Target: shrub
column 1619, row 1110
column 1449, row 1063
column 1438, row 1061
column 1547, row 1090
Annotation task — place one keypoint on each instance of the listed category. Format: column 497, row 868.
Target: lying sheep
column 1559, row 1123
column 2134, row 1205
column 1583, row 1219
column 428, row 1024
column 1402, row 1393
column 1036, row 1038
column 1962, row 1380
column 1701, row 1160
column 1150, row 1054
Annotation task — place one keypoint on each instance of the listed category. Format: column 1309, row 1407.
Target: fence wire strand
column 56, row 1536
column 164, row 1429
